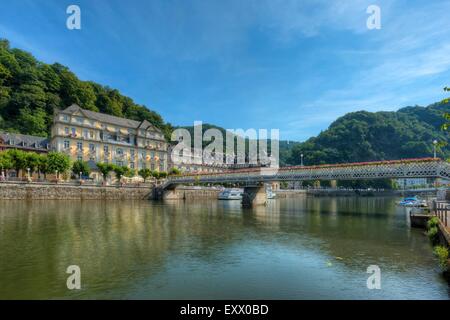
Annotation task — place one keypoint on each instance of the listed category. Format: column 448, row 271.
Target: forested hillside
column 367, row 136
column 30, row 91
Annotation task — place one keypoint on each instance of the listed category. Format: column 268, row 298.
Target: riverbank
column 76, row 191
column 42, row 191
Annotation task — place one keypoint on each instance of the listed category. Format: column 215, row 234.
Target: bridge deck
column 406, row 168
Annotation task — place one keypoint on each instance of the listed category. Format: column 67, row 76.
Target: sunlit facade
column 95, row 137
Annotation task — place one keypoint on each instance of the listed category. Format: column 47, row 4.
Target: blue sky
column 287, row 64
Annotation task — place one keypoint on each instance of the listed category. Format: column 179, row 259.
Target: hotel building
column 96, row 137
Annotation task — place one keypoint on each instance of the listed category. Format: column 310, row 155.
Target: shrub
column 442, row 253
column 433, row 222
column 432, row 234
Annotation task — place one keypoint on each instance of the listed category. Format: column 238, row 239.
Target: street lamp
column 80, row 174
column 28, row 169
column 434, row 147
column 56, row 174
column 301, row 160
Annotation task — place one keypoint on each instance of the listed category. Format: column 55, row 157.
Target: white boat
column 230, row 194
column 413, row 202
column 270, row 194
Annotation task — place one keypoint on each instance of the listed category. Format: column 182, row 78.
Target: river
column 297, row 248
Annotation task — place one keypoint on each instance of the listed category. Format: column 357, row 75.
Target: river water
column 298, row 248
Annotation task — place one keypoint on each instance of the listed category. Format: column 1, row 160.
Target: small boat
column 270, row 194
column 413, row 202
column 230, row 194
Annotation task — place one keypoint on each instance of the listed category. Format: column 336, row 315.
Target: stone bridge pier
column 254, row 196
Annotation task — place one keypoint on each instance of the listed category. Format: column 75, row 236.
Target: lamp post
column 301, row 160
column 28, row 170
column 56, row 174
column 80, row 174
column 434, row 148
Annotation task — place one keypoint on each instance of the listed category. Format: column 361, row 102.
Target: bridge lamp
column 434, row 147
column 301, row 160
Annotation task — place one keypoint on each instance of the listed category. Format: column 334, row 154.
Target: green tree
column 81, row 166
column 174, row 172
column 120, row 171
column 145, row 173
column 155, row 174
column 105, row 169
column 57, row 162
column 162, row 174
column 18, row 160
column 42, row 166
column 5, row 161
column 32, row 159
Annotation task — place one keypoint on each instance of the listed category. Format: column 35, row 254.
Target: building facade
column 24, row 142
column 96, row 137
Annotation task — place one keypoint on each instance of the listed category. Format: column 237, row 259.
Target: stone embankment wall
column 191, row 193
column 28, row 191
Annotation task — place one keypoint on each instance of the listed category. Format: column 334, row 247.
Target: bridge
column 253, row 179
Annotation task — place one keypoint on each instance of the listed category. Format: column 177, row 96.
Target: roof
column 23, row 140
column 103, row 117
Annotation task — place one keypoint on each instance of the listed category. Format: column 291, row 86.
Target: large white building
column 96, row 137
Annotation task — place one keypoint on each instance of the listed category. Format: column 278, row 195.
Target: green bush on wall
column 433, row 222
column 442, row 253
column 432, row 234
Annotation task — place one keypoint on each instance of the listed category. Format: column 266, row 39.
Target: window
column 80, row 146
column 65, row 117
column 152, row 166
column 105, row 149
column 92, row 147
column 120, row 163
column 91, row 134
column 85, row 133
column 152, row 155
column 80, row 120
column 119, row 152
column 66, row 130
column 132, row 165
column 66, row 144
column 74, row 132
column 80, row 158
column 132, row 153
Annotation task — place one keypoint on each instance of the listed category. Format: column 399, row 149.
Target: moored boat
column 230, row 194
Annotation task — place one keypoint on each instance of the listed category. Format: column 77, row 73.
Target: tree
column 42, row 165
column 162, row 174
column 5, row 161
column 155, row 174
column 120, row 171
column 145, row 173
column 18, row 160
column 58, row 162
column 174, row 172
column 81, row 166
column 446, row 125
column 105, row 169
column 32, row 159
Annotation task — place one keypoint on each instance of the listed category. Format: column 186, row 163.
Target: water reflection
column 296, row 248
